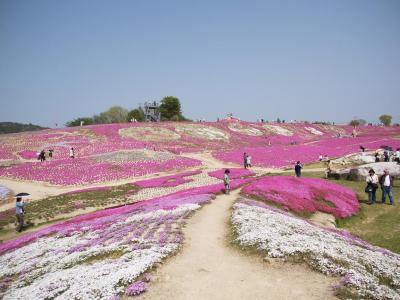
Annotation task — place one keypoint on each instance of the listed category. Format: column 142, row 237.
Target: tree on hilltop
column 385, row 119
column 170, row 109
column 357, row 122
column 115, row 114
column 77, row 122
column 137, row 114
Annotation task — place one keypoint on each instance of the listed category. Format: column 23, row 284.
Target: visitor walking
column 19, row 213
column 362, row 148
column 42, row 155
column 245, row 160
column 72, row 152
column 227, row 181
column 51, row 153
column 376, row 157
column 386, row 182
column 372, row 185
column 248, row 161
column 297, row 169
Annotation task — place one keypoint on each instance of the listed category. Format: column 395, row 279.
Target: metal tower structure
column 152, row 112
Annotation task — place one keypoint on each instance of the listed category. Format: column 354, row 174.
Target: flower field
column 120, row 151
column 96, row 255
column 139, row 222
column 81, row 171
column 304, row 195
column 367, row 272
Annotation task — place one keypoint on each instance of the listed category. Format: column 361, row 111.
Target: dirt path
column 209, row 268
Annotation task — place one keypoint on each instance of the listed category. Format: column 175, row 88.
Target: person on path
column 19, row 213
column 72, row 152
column 227, row 181
column 372, row 185
column 376, row 157
column 362, row 148
column 386, row 182
column 245, row 160
column 51, row 153
column 297, row 169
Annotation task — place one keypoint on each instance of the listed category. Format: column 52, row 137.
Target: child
column 227, row 181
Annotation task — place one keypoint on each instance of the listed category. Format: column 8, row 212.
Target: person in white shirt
column 386, row 182
column 372, row 186
column 397, row 155
column 249, row 161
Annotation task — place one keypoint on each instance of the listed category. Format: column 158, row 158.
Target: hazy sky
column 314, row 60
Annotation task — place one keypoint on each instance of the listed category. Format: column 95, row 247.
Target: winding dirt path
column 209, row 268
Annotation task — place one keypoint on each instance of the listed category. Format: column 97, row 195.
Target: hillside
column 11, row 127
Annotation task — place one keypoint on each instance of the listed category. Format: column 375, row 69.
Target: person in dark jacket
column 386, row 182
column 297, row 169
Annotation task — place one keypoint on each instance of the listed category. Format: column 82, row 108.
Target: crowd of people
column 42, row 155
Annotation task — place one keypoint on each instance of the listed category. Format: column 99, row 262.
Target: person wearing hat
column 372, row 186
column 19, row 213
column 386, row 182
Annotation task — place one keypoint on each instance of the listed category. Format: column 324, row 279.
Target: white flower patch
column 238, row 127
column 278, row 130
column 149, row 134
column 199, row 180
column 86, row 265
column 4, row 193
column 202, row 131
column 313, row 131
column 372, row 271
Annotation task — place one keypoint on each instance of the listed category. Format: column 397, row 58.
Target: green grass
column 378, row 224
column 50, row 208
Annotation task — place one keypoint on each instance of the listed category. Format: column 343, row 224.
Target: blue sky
column 304, row 60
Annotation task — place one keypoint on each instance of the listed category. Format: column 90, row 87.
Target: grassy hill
column 11, row 127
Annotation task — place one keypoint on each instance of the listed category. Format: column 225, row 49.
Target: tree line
column 385, row 120
column 12, row 127
column 170, row 110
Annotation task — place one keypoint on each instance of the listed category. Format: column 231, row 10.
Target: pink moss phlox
column 167, row 181
column 305, row 195
column 234, row 173
column 101, row 219
column 136, row 288
column 84, row 170
column 284, row 155
column 28, row 154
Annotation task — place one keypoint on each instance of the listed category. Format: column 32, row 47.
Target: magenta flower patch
column 305, row 195
column 167, row 181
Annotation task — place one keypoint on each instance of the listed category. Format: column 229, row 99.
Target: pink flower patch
column 305, row 195
column 234, row 173
column 167, row 181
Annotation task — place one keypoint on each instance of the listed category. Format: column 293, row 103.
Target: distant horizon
column 311, row 60
column 376, row 123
